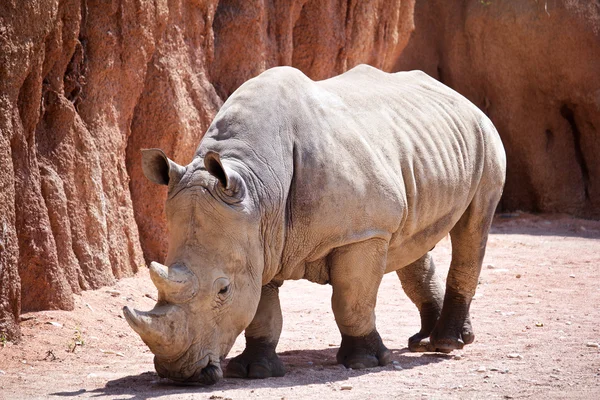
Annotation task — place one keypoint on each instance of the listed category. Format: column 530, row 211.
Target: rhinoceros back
column 361, row 155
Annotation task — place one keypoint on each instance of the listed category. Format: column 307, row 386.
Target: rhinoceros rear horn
column 163, row 329
column 159, row 168
column 230, row 182
column 177, row 284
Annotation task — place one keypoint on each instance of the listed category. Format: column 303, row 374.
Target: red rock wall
column 84, row 84
column 534, row 67
column 70, row 78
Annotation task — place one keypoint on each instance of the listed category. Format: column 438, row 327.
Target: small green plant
column 76, row 340
column 3, row 339
column 485, row 2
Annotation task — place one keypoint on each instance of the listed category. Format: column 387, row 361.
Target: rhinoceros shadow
column 304, row 367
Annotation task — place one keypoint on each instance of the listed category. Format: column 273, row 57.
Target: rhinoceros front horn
column 177, row 284
column 163, row 329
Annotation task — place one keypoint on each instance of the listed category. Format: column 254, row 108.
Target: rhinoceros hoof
column 358, row 352
column 258, row 361
column 447, row 338
column 420, row 343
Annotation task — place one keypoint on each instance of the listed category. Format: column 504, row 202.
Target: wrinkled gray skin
column 337, row 182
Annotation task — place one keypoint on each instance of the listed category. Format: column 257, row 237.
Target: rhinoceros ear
column 230, row 182
column 159, row 169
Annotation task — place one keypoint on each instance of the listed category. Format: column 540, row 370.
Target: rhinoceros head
column 209, row 289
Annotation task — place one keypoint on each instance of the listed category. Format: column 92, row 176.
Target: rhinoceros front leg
column 355, row 274
column 469, row 237
column 424, row 288
column 259, row 360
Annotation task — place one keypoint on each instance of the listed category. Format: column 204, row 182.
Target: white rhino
column 339, row 182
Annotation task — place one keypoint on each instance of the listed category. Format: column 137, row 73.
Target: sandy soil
column 536, row 317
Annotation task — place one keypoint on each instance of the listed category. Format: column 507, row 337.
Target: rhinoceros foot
column 257, row 361
column 448, row 342
column 420, row 343
column 358, row 352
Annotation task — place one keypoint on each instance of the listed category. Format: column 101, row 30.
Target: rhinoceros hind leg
column 355, row 274
column 469, row 238
column 423, row 287
column 259, row 360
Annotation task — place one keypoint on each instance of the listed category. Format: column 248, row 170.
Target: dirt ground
column 536, row 317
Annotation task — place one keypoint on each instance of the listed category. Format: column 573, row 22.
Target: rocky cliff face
column 533, row 67
column 72, row 73
column 84, row 84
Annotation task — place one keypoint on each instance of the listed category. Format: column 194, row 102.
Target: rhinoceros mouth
column 206, row 371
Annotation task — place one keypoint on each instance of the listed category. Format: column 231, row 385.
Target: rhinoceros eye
column 224, row 290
